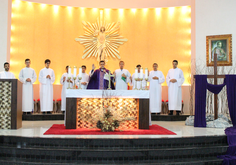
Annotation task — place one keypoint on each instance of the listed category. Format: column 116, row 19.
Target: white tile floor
column 37, row 129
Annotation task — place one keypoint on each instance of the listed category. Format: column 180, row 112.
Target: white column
column 5, row 31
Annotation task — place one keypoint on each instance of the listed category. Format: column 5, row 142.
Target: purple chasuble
column 97, row 81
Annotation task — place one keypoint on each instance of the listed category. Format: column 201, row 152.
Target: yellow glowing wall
column 42, row 31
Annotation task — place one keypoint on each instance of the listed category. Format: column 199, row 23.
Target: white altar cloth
column 137, row 94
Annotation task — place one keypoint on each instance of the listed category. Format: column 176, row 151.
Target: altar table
column 82, row 103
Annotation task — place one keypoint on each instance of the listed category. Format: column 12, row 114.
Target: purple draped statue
column 97, row 80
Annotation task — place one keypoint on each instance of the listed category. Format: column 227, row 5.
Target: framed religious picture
column 221, row 46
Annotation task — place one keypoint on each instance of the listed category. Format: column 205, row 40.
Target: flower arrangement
column 109, row 122
column 107, row 116
column 107, row 113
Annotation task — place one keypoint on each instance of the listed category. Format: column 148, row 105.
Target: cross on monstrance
column 109, row 76
column 215, row 76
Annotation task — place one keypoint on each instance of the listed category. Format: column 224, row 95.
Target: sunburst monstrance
column 101, row 39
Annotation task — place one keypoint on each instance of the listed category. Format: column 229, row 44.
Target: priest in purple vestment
column 97, row 78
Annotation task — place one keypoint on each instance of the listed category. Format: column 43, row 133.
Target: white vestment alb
column 174, row 89
column 85, row 78
column 122, row 84
column 63, row 91
column 155, row 91
column 138, row 82
column 27, row 90
column 6, row 75
column 46, row 89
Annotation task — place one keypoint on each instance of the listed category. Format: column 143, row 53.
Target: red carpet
column 59, row 129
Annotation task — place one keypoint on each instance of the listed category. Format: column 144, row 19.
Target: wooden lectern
column 10, row 104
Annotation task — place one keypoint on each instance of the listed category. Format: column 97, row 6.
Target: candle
column 136, row 73
column 80, row 72
column 141, row 73
column 69, row 71
column 146, row 73
column 75, row 71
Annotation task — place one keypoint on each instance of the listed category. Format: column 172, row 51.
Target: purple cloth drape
column 200, row 97
column 231, row 95
column 231, row 133
column 200, row 100
column 201, row 86
column 230, row 157
column 215, row 88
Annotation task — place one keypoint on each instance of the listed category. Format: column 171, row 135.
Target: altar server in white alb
column 122, row 77
column 6, row 74
column 46, row 79
column 156, row 78
column 137, row 77
column 85, row 78
column 27, row 76
column 65, row 82
column 174, row 79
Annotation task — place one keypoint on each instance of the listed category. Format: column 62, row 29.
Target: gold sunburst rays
column 92, row 44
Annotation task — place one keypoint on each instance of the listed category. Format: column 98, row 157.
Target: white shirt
column 46, row 89
column 6, row 75
column 122, row 84
column 155, row 91
column 27, row 91
column 65, row 85
column 85, row 78
column 174, row 89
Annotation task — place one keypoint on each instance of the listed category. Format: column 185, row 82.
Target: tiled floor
column 37, row 129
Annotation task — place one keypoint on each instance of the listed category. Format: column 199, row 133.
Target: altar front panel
column 88, row 110
column 85, row 106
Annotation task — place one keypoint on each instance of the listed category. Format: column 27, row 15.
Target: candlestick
column 136, row 73
column 141, row 87
column 69, row 71
column 141, row 73
column 74, row 87
column 146, row 73
column 75, row 71
column 69, row 77
column 146, row 88
column 80, row 72
column 80, row 78
column 135, row 88
column 69, row 82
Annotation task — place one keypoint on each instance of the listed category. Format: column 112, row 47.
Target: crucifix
column 109, row 76
column 215, row 76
